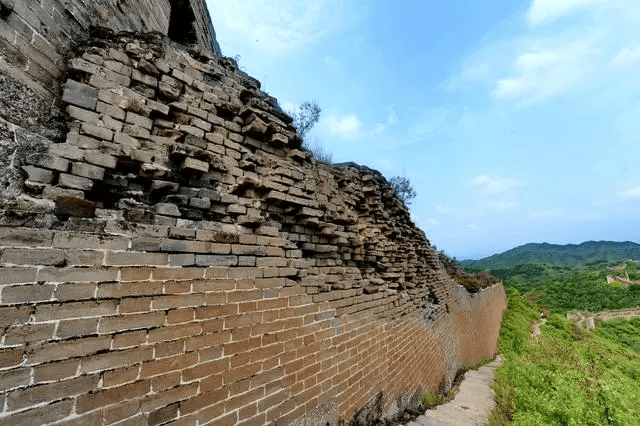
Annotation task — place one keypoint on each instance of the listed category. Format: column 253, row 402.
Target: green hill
column 589, row 252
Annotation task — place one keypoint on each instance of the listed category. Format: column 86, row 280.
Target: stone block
column 82, row 114
column 66, row 150
column 87, row 170
column 82, row 141
column 167, row 209
column 37, row 174
column 80, row 94
column 74, row 206
column 120, row 56
column 216, row 260
column 193, row 165
column 75, row 182
column 149, row 80
column 96, row 131
column 99, row 159
column 138, row 120
column 48, row 161
column 200, row 203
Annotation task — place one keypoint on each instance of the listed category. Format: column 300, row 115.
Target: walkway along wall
column 176, row 258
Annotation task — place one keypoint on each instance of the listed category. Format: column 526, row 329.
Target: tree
column 403, row 188
column 306, row 117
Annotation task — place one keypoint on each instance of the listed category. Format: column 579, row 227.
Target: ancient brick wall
column 176, row 258
column 37, row 35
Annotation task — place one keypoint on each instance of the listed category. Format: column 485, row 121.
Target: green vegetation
column 562, row 289
column 403, row 188
column 563, row 377
column 431, row 399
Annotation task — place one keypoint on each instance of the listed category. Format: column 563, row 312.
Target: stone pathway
column 472, row 403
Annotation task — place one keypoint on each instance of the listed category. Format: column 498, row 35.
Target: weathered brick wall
column 177, row 258
column 37, row 35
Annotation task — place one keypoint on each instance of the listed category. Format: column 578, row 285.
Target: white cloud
column 332, row 63
column 627, row 57
column 503, row 205
column 494, row 185
column 547, row 68
column 630, row 194
column 393, row 118
column 273, row 25
column 346, row 126
column 545, row 11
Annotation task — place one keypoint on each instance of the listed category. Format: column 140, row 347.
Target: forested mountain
column 562, row 255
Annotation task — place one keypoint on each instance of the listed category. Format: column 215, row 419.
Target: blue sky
column 516, row 120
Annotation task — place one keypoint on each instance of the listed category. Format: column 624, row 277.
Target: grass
column 565, row 377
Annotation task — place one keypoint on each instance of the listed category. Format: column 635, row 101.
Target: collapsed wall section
column 37, row 36
column 176, row 256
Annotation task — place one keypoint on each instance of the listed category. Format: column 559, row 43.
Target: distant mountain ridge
column 562, row 255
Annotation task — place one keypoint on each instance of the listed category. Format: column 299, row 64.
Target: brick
column 28, row 333
column 11, row 379
column 106, row 397
column 167, row 209
column 175, row 332
column 182, row 246
column 153, row 402
column 111, row 360
column 164, row 365
column 23, row 293
column 75, row 182
column 37, row 174
column 131, row 322
column 192, row 165
column 99, row 159
column 71, row 310
column 77, row 328
column 124, row 289
column 88, row 171
column 138, row 120
column 63, row 350
column 144, row 78
column 70, row 240
column 41, row 415
column 50, row 392
column 133, row 258
column 25, row 237
column 82, row 115
column 48, row 161
column 216, row 260
column 163, row 415
column 77, row 274
column 83, row 257
column 79, row 94
column 82, row 141
column 129, row 339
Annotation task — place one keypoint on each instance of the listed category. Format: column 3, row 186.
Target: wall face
column 175, row 256
column 37, row 35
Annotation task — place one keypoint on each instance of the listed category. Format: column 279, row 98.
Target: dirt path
column 472, row 404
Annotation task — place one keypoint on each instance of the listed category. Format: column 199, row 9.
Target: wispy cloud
column 547, row 68
column 552, row 57
column 545, row 11
column 345, row 126
column 275, row 26
column 628, row 56
column 630, row 194
column 494, row 185
column 332, row 63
